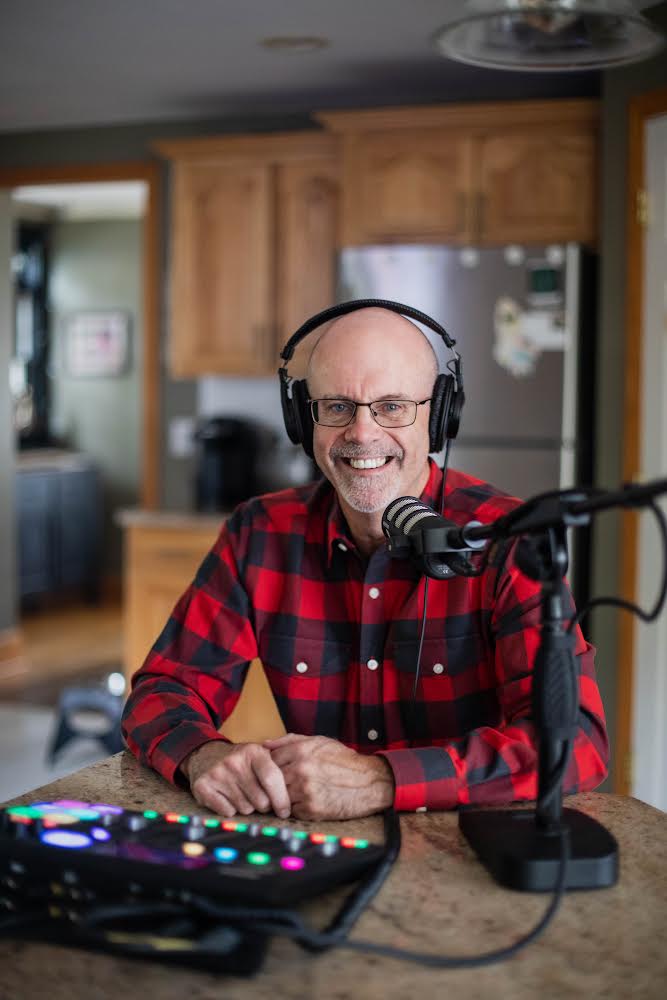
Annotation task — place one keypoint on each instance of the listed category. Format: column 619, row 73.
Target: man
column 303, row 580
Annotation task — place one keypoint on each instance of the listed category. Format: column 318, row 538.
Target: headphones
column 446, row 402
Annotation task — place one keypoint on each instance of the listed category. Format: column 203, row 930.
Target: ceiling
column 90, row 62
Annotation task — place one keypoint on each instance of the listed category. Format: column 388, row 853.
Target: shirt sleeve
column 193, row 675
column 493, row 765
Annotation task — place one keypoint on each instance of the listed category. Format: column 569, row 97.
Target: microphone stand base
column 522, row 855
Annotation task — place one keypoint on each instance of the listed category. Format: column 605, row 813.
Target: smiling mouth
column 367, row 463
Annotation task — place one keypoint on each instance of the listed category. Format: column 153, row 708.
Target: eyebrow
column 378, row 399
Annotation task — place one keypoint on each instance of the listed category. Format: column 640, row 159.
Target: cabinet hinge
column 642, row 207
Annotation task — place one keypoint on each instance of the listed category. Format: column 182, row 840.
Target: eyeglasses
column 385, row 412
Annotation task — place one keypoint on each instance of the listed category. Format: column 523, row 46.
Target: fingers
column 272, row 780
column 243, row 780
column 281, row 741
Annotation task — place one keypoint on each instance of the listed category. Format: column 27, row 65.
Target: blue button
column 225, row 854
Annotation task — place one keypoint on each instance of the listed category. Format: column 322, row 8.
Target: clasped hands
column 308, row 777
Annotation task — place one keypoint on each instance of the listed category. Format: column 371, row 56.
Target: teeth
column 367, row 463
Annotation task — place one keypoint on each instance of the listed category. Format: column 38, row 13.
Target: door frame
column 642, row 107
column 150, row 174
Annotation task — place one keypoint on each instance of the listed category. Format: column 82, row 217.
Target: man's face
column 368, row 465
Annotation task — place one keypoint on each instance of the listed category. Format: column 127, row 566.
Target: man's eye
column 391, row 407
column 335, row 407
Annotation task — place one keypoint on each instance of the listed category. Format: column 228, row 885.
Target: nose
column 363, row 427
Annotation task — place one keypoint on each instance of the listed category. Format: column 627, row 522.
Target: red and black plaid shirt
column 338, row 636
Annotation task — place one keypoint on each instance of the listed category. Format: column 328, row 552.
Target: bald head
column 374, row 340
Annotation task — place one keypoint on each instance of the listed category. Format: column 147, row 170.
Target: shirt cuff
column 172, row 750
column 425, row 778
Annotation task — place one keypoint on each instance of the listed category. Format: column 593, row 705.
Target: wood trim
column 498, row 114
column 149, row 172
column 641, row 108
column 276, row 146
column 11, row 643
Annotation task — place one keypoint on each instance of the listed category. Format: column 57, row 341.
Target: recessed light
column 295, row 43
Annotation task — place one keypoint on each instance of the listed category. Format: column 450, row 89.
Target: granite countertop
column 36, row 459
column 608, row 943
column 130, row 517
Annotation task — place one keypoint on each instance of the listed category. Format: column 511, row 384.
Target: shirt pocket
column 296, row 656
column 446, row 656
column 455, row 691
column 309, row 679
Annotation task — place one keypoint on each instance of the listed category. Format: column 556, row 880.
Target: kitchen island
column 438, row 898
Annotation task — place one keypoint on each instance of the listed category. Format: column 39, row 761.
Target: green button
column 299, row 834
column 241, row 827
column 258, row 858
column 150, row 814
column 361, row 843
column 270, row 831
column 32, row 811
column 211, row 822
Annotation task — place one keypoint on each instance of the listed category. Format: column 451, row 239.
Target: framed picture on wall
column 97, row 343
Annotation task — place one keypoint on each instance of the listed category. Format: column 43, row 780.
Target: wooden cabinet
column 407, row 184
column 483, row 174
column 252, row 244
column 162, row 555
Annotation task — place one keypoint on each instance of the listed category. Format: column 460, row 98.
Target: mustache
column 359, row 451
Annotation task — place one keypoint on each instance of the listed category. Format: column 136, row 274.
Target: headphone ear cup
column 290, row 413
column 455, row 410
column 303, row 418
column 440, row 406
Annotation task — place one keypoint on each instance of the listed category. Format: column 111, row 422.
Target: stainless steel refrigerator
column 523, row 319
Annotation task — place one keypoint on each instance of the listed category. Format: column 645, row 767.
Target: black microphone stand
column 522, row 849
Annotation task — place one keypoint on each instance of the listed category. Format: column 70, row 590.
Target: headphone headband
column 446, row 402
column 343, row 308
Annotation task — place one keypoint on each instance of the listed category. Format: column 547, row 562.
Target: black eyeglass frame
column 335, row 399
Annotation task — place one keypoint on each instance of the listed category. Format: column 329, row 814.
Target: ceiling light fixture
column 546, row 35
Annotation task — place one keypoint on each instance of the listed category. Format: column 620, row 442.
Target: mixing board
column 88, row 850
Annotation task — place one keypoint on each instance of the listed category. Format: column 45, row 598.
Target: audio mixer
column 101, row 850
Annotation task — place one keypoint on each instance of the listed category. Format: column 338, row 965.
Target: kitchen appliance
column 523, row 319
column 228, row 457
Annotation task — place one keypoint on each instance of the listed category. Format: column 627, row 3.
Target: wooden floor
column 62, row 643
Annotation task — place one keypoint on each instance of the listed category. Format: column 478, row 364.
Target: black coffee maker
column 229, row 450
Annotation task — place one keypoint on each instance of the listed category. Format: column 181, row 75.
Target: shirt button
column 342, row 546
column 302, row 667
column 372, row 734
column 374, row 593
column 372, row 664
column 438, row 668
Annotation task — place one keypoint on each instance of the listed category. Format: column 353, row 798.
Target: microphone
column 436, row 546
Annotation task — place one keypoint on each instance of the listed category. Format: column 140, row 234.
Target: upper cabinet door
column 409, row 185
column 537, row 187
column 221, row 273
column 308, row 195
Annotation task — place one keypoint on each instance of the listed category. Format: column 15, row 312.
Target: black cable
column 412, row 730
column 619, row 602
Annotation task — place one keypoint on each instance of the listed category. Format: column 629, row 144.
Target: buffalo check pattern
column 338, row 636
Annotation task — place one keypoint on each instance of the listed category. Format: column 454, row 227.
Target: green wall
column 97, row 265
